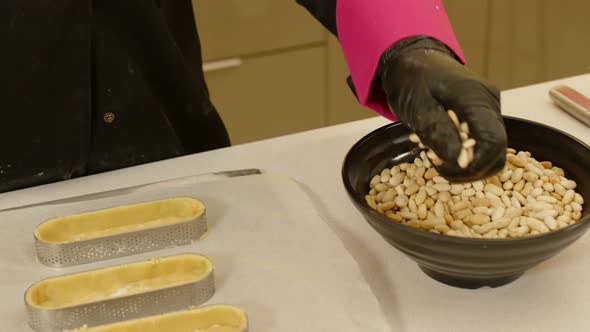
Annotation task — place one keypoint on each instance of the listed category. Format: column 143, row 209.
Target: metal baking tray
column 120, row 231
column 119, row 293
column 208, row 318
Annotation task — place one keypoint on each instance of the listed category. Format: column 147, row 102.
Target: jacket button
column 109, row 117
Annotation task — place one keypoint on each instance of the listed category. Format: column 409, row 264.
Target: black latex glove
column 422, row 80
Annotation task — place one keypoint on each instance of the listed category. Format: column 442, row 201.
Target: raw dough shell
column 214, row 318
column 120, row 231
column 121, row 292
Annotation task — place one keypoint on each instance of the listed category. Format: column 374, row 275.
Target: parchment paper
column 273, row 256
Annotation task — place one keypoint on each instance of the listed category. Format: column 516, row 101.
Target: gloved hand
column 422, row 80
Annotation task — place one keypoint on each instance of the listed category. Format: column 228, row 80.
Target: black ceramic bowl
column 461, row 262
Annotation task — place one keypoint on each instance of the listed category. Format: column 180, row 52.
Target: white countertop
column 554, row 296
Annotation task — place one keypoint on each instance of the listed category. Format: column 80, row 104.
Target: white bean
column 481, row 201
column 495, row 200
column 579, row 199
column 506, row 201
column 439, row 179
column 379, row 196
column 460, row 206
column 515, row 203
column 408, row 215
column 442, row 186
column 465, row 127
column 379, row 187
column 482, row 210
column 375, row 180
column 569, row 196
column 568, row 184
column 401, row 201
column 532, row 168
column 397, row 179
column 431, row 191
column 444, row 196
column 430, row 173
column 457, row 224
column 501, row 223
column 420, row 172
column 411, row 170
column 546, row 213
column 468, row 192
column 506, row 175
column 400, row 189
column 412, row 205
column 463, row 214
column 454, row 118
column 418, row 162
column 498, row 213
column 414, row 138
column 539, row 206
column 479, row 219
column 439, row 209
column 530, row 177
column 386, row 206
column 517, row 175
column 371, row 201
column 536, row 225
column 491, row 234
column 514, row 223
column 528, row 188
column 389, row 195
column 456, row 189
column 442, row 228
column 409, row 182
column 547, row 186
column 394, row 216
column 493, row 189
column 512, row 212
column 421, row 196
column 429, row 202
column 576, row 207
column 519, row 186
column 412, row 189
column 547, row 199
column 486, row 228
column 422, row 211
column 558, row 171
column 536, row 192
column 531, row 199
column 508, row 185
column 519, row 197
column 550, row 222
column 517, row 161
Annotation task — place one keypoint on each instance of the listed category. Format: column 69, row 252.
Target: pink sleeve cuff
column 367, row 28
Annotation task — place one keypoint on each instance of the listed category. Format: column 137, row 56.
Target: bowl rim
column 386, row 222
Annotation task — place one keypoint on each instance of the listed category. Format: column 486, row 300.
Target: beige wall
column 520, row 42
column 273, row 70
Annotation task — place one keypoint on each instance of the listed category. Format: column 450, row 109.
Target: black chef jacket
column 88, row 86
